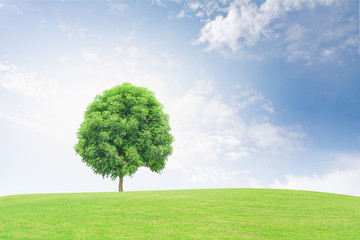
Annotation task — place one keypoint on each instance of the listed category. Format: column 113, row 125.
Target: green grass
column 181, row 214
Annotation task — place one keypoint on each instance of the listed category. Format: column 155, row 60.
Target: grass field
column 181, row 214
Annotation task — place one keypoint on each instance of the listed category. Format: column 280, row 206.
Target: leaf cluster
column 123, row 129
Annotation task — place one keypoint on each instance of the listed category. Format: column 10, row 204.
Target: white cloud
column 181, row 14
column 18, row 79
column 276, row 139
column 210, row 133
column 207, row 8
column 343, row 179
column 200, row 14
column 237, row 155
column 247, row 96
column 133, row 52
column 202, row 108
column 71, row 29
column 199, row 8
column 132, row 35
column 119, row 49
column 295, row 33
column 11, row 7
column 245, row 24
column 253, row 183
column 200, row 156
column 134, row 55
column 194, row 5
column 158, row 2
column 204, row 128
column 325, row 43
column 203, row 87
column 215, row 175
column 268, row 107
column 337, row 181
column 328, row 54
column 89, row 55
column 169, row 61
column 296, row 36
column 163, row 3
column 117, row 7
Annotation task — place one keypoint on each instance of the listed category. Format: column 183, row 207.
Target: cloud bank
column 342, row 179
column 245, row 24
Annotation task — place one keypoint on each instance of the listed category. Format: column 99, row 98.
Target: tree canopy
column 123, row 129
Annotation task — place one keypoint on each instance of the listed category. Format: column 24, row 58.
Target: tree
column 123, row 129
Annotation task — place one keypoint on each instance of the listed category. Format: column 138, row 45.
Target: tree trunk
column 121, row 189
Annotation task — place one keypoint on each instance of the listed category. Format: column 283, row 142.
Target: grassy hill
column 181, row 214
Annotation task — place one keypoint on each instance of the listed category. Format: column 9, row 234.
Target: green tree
column 123, row 129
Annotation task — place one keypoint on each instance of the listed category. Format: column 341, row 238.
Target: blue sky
column 260, row 93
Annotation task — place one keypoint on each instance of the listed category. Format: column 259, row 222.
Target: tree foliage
column 123, row 129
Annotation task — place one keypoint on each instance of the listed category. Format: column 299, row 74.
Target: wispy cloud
column 194, row 5
column 132, row 35
column 117, row 7
column 163, row 3
column 20, row 80
column 158, row 2
column 134, row 54
column 23, row 122
column 11, row 7
column 203, row 8
column 70, row 29
column 181, row 14
column 89, row 55
column 43, row 127
column 276, row 139
column 321, row 43
column 248, row 96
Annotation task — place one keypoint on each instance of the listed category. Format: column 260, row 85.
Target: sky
column 261, row 94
